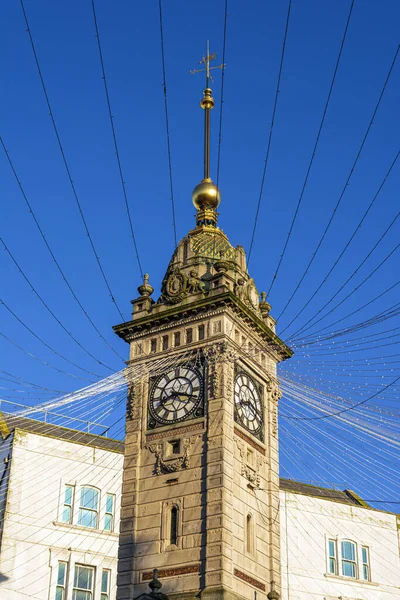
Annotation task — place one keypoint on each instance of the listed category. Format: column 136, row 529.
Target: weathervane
column 206, row 196
column 206, row 60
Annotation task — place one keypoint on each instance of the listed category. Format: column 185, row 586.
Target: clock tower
column 200, row 496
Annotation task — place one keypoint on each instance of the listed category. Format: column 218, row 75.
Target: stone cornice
column 173, row 313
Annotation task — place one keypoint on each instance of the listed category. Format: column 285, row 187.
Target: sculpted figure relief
column 177, row 285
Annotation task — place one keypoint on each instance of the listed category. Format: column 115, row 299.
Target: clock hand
column 250, row 405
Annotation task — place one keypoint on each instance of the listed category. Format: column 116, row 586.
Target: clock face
column 248, row 405
column 175, row 396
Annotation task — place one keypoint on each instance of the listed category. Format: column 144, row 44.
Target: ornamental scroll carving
column 219, row 358
column 132, row 404
column 166, row 465
column 275, row 395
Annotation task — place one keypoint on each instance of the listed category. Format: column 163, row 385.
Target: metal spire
column 207, row 103
column 206, row 196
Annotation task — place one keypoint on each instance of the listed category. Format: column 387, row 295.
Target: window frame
column 91, row 510
column 173, row 526
column 61, row 586
column 76, row 589
column 105, row 594
column 168, row 543
column 349, row 561
column 65, row 505
column 365, row 564
column 333, row 557
column 201, row 332
column 107, row 513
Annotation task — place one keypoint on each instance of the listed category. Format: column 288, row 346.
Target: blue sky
column 67, row 50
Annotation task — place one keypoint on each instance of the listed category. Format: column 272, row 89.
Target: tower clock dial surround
column 248, row 404
column 176, row 396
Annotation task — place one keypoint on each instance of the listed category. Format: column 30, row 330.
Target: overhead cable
column 114, row 135
column 68, row 171
column 222, row 92
column 343, row 252
column 164, row 85
column 314, row 150
column 47, row 307
column 270, row 131
column 347, row 182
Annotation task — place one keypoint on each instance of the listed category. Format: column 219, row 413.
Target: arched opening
column 249, row 534
column 173, row 535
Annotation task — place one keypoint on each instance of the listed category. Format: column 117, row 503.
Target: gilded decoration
column 177, row 285
column 164, row 465
column 212, row 245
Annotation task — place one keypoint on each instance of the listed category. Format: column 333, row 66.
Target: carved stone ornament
column 163, row 465
column 129, row 402
column 248, row 294
column 274, row 391
column 250, row 472
column 131, row 409
column 274, row 420
column 219, row 355
column 177, row 285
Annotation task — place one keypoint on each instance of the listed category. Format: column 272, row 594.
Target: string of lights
column 114, row 135
column 324, row 280
column 381, row 264
column 392, row 312
column 340, row 412
column 47, row 364
column 41, row 340
column 30, row 383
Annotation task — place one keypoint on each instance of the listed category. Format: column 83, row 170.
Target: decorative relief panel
column 173, row 572
column 275, row 394
column 177, row 285
column 179, row 431
column 165, row 464
column 249, row 440
column 249, row 579
column 250, row 465
column 133, row 407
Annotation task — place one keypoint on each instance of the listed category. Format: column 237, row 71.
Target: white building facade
column 59, row 507
column 335, row 547
column 60, row 494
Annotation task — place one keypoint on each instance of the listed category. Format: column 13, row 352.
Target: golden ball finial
column 206, row 195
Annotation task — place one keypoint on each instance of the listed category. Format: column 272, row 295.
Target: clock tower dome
column 200, row 496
